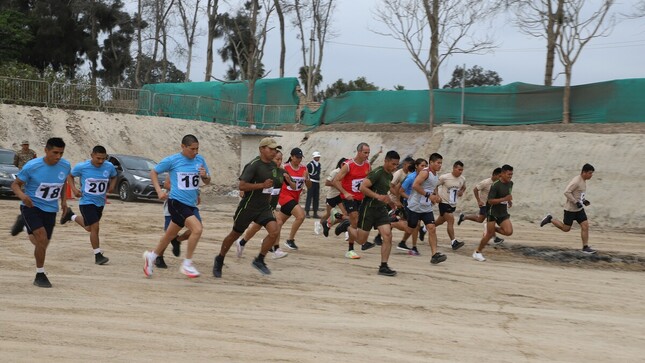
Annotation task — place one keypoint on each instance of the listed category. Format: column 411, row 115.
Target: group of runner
column 359, row 199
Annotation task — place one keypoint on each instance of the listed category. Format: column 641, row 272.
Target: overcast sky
column 357, row 51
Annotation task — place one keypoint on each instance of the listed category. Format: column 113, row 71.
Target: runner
column 373, row 210
column 481, row 195
column 97, row 177
column 332, row 200
column 290, row 197
column 574, row 208
column 175, row 242
column 500, row 198
column 404, row 191
column 256, row 182
column 44, row 182
column 185, row 170
column 451, row 186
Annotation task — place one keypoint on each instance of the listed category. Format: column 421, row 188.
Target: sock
column 97, row 250
column 275, row 248
column 243, row 242
column 40, row 270
column 383, row 264
column 220, row 259
column 453, row 241
column 351, row 247
column 24, row 229
column 402, row 241
column 260, row 257
column 74, row 217
column 188, row 262
column 153, row 255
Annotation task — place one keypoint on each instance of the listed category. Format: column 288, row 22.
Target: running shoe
column 147, row 263
column 342, row 227
column 317, row 227
column 546, row 220
column 413, row 251
column 457, row 245
column 99, row 259
column 498, row 241
column 478, row 256
column 325, row 228
column 189, row 271
column 67, row 216
column 18, row 225
column 367, row 245
column 588, row 250
column 41, row 280
column 422, row 232
column 386, row 271
column 217, row 266
column 160, row 263
column 437, row 258
column 402, row 246
column 261, row 266
column 176, row 247
column 378, row 240
column 461, row 219
column 239, row 248
column 278, row 253
column 291, row 244
column 352, row 255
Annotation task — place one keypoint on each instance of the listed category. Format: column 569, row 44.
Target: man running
column 480, row 191
column 97, row 177
column 574, row 208
column 44, row 181
column 451, row 186
column 500, row 198
column 332, row 200
column 185, row 170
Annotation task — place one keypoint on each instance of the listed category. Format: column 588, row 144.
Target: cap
column 270, row 142
column 316, row 154
column 24, row 142
column 296, row 152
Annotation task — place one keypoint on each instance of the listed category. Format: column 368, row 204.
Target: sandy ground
column 317, row 306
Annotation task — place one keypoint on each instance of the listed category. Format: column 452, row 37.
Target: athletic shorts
column 352, row 205
column 288, row 207
column 179, row 212
column 484, row 210
column 414, row 218
column 445, row 208
column 369, row 218
column 244, row 217
column 167, row 219
column 332, row 202
column 579, row 216
column 91, row 213
column 37, row 218
column 498, row 218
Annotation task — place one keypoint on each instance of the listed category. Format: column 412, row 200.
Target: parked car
column 8, row 171
column 133, row 177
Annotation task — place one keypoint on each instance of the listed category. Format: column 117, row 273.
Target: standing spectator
column 23, row 155
column 313, row 193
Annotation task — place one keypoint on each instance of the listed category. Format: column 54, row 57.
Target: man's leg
column 563, row 227
column 316, row 199
column 490, row 232
column 172, row 231
column 40, row 241
column 310, row 197
column 584, row 233
column 196, row 228
column 386, row 247
column 450, row 219
column 94, row 235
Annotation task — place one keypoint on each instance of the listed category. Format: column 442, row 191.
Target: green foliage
column 475, row 77
column 173, row 75
column 303, row 75
column 14, row 35
column 240, row 40
column 339, row 87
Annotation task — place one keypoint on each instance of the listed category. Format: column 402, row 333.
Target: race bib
column 582, row 197
column 95, row 186
column 356, row 185
column 300, row 182
column 425, row 201
column 49, row 191
column 275, row 191
column 452, row 195
column 188, row 180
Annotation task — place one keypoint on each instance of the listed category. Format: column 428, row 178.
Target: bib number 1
column 49, row 191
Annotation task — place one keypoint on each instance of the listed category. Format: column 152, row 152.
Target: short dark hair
column 341, row 162
column 98, row 149
column 507, row 167
column 408, row 159
column 435, row 157
column 360, row 146
column 587, row 167
column 497, row 171
column 54, row 142
column 188, row 140
column 458, row 163
column 392, row 155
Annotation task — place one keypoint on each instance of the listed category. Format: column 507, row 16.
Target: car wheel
column 125, row 194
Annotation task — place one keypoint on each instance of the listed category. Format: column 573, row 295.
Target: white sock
column 188, row 262
column 97, row 250
column 40, row 270
column 74, row 218
column 153, row 255
column 24, row 229
column 453, row 241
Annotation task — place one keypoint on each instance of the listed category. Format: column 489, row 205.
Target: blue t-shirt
column 94, row 181
column 44, row 183
column 407, row 183
column 184, row 176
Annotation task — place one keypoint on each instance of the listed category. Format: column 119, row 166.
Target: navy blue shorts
column 352, row 205
column 91, row 213
column 179, row 212
column 414, row 218
column 37, row 218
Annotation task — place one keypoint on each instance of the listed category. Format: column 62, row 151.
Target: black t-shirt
column 257, row 171
column 500, row 190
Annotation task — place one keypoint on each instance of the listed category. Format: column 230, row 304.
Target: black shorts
column 445, row 208
column 288, row 207
column 372, row 218
column 37, row 218
column 579, row 216
column 352, row 206
column 484, row 210
column 414, row 218
column 179, row 212
column 91, row 213
column 244, row 216
column 498, row 218
column 332, row 202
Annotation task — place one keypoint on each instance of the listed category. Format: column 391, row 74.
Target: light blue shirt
column 184, row 177
column 44, row 183
column 407, row 183
column 94, row 181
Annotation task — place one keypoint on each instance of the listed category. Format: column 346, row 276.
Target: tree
column 213, row 33
column 115, row 53
column 283, row 46
column 339, row 87
column 14, row 35
column 303, row 74
column 189, row 28
column 577, row 31
column 426, row 26
column 155, row 69
column 475, row 77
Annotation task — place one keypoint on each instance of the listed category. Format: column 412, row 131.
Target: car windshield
column 6, row 157
column 137, row 163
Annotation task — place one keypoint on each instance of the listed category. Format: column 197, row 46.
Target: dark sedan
column 8, row 171
column 133, row 177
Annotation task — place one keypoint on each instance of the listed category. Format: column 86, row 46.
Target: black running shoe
column 461, row 219
column 67, row 216
column 217, row 266
column 402, row 246
column 176, row 247
column 342, row 227
column 546, row 220
column 422, row 233
column 41, row 280
column 160, row 263
column 588, row 250
column 291, row 244
column 261, row 266
column 437, row 258
column 378, row 240
column 338, row 216
column 386, row 271
column 457, row 245
column 498, row 241
column 367, row 245
column 325, row 226
column 18, row 225
column 99, row 259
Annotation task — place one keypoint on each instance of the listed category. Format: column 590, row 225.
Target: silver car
column 133, row 177
column 8, row 171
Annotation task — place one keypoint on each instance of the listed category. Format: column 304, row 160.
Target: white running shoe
column 346, row 236
column 148, row 263
column 239, row 248
column 189, row 271
column 478, row 256
column 352, row 255
column 278, row 253
column 317, row 227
